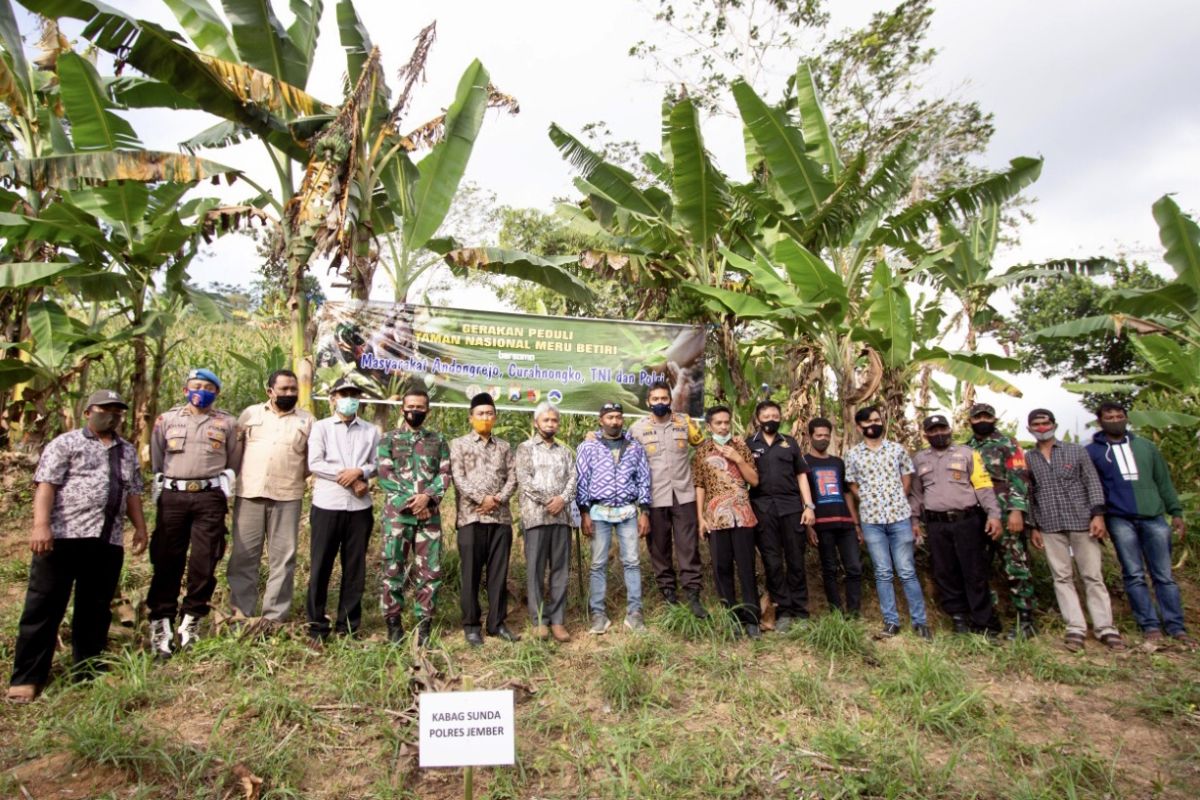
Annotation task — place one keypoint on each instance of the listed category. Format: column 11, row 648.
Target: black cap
column 106, row 397
column 611, row 406
column 483, row 399
column 935, row 421
column 344, row 383
column 1041, row 412
column 982, row 408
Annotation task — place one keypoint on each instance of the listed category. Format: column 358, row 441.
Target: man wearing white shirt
column 341, row 457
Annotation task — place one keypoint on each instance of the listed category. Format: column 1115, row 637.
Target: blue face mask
column 722, row 438
column 660, row 409
column 347, row 406
column 201, row 398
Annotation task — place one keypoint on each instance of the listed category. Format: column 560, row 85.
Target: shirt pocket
column 176, row 436
column 959, row 471
column 250, row 432
column 681, row 438
column 216, row 438
column 300, row 442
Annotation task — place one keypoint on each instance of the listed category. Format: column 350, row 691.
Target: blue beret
column 205, row 375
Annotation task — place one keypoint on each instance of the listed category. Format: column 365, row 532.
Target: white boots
column 161, row 637
column 189, row 631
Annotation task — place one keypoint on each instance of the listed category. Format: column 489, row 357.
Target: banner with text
column 520, row 359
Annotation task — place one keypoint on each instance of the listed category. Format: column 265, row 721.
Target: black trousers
column 479, row 545
column 189, row 532
column 781, row 541
column 958, row 552
column 675, row 525
column 335, row 534
column 733, row 549
column 838, row 546
column 93, row 567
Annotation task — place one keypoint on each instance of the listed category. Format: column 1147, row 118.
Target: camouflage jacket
column 1005, row 462
column 412, row 463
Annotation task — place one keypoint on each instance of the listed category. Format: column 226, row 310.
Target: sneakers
column 634, row 621
column 696, row 607
column 600, row 625
column 889, row 630
column 783, row 624
column 160, row 638
column 189, row 631
column 923, row 631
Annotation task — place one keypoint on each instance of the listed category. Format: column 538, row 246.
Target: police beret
column 205, row 375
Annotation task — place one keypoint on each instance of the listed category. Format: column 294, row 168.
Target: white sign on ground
column 467, row 729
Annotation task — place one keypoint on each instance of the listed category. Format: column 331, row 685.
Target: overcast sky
column 1104, row 90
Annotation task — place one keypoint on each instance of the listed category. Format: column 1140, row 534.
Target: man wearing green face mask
column 342, row 453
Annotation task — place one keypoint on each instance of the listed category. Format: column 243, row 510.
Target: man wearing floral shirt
column 880, row 474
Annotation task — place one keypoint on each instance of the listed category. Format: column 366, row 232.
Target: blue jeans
column 1145, row 544
column 627, row 540
column 891, row 547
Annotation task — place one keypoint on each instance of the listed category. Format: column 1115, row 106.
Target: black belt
column 191, row 484
column 952, row 516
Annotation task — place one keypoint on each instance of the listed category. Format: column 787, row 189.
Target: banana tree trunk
column 733, row 359
column 298, row 309
column 968, row 389
column 142, row 423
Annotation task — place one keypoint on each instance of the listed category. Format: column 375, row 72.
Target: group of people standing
column 662, row 479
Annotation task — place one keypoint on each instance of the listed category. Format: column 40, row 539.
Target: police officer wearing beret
column 951, row 494
column 194, row 451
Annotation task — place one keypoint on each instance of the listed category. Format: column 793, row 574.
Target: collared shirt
column 412, row 463
column 666, row 446
column 726, row 501
column 274, row 452
column 334, row 445
column 545, row 470
column 616, row 478
column 1005, row 462
column 90, row 497
column 878, row 474
column 827, row 483
column 482, row 467
column 1065, row 492
column 778, row 463
column 188, row 443
column 952, row 479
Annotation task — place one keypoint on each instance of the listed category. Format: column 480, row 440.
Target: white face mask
column 347, row 406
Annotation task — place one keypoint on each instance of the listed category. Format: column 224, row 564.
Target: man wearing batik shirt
column 87, row 482
column 722, row 466
column 546, row 476
column 880, row 475
column 485, row 479
column 614, row 500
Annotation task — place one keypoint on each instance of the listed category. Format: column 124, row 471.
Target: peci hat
column 482, row 399
column 982, row 408
column 106, row 397
column 1041, row 412
column 935, row 421
column 205, row 375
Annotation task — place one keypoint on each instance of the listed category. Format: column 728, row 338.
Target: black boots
column 395, row 630
column 696, row 606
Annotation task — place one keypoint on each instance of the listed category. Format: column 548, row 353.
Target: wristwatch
column 810, row 506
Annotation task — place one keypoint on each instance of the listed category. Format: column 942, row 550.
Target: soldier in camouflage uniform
column 414, row 471
column 1005, row 462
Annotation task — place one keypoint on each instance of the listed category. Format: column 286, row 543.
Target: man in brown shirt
column 274, row 437
column 665, row 437
column 485, row 479
column 194, row 451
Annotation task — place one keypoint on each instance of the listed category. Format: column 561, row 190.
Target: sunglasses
column 607, row 407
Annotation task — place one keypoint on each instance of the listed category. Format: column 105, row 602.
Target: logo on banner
column 554, row 396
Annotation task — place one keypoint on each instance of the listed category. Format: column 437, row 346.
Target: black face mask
column 547, row 435
column 1115, row 428
column 415, row 418
column 770, row 427
column 939, row 441
column 612, row 431
column 286, row 402
column 820, row 445
column 660, row 409
column 983, row 428
column 104, row 421
column 873, row 431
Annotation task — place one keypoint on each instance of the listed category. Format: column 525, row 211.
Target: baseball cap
column 935, row 421
column 982, row 408
column 106, row 397
column 345, row 383
column 1041, row 412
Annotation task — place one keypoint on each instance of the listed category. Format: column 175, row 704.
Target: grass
column 932, row 693
column 835, row 636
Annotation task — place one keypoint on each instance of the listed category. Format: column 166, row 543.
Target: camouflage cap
column 982, row 408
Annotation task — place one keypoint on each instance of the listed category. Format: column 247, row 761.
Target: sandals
column 23, row 693
column 1074, row 642
column 1114, row 642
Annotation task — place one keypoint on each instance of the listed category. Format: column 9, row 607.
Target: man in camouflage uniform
column 414, row 471
column 1005, row 462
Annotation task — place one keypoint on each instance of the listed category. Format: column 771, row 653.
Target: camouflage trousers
column 1014, row 563
column 412, row 557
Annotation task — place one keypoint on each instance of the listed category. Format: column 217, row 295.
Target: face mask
column 347, row 406
column 873, row 431
column 286, row 402
column 103, row 421
column 660, row 409
column 1044, row 436
column 415, row 419
column 722, row 438
column 483, row 426
column 1115, row 428
column 820, row 445
column 201, row 398
column 939, row 441
column 983, row 428
column 770, row 427
column 612, row 431
column 547, row 435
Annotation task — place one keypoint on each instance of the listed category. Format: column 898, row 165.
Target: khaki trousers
column 275, row 523
column 1088, row 558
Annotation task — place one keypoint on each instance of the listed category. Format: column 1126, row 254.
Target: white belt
column 193, row 485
